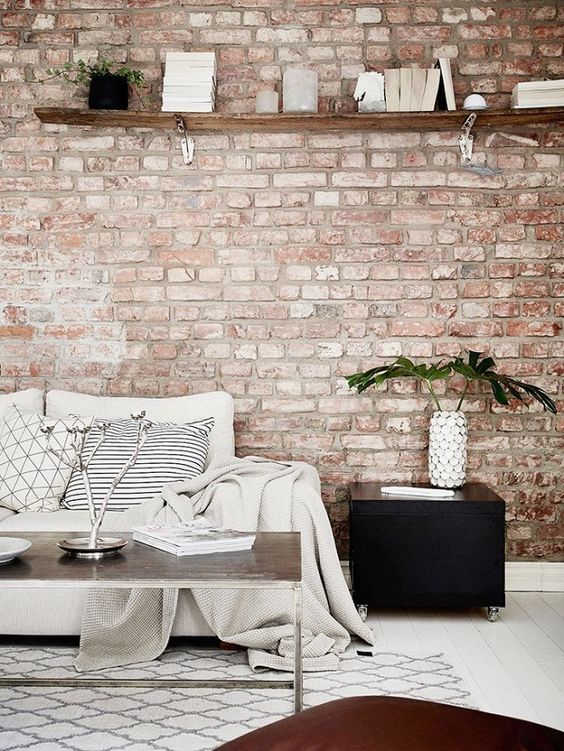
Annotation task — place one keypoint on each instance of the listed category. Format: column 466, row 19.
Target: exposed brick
column 280, row 262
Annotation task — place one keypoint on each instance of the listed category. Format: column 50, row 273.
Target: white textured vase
column 448, row 434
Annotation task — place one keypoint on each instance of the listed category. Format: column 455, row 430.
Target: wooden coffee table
column 273, row 563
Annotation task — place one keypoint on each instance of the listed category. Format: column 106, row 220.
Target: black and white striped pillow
column 170, row 453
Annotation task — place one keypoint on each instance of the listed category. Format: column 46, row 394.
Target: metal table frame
column 180, row 583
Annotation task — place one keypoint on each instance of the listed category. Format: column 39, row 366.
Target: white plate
column 11, row 547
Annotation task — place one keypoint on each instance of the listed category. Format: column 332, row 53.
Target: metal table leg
column 298, row 666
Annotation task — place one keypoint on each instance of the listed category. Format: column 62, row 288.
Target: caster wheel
column 493, row 614
column 362, row 611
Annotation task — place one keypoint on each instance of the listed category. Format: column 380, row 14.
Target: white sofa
column 50, row 611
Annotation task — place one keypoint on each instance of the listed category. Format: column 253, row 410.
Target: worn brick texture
column 278, row 263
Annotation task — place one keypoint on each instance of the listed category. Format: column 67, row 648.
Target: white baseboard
column 520, row 576
column 534, row 576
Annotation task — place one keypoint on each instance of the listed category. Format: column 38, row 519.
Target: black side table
column 410, row 552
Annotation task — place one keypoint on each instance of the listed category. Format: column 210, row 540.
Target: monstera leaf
column 400, row 368
column 474, row 368
column 503, row 387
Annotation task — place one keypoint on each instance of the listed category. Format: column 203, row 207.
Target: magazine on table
column 193, row 538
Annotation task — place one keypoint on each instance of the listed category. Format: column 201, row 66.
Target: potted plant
column 448, row 428
column 108, row 84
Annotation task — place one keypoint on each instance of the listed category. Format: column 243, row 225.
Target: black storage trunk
column 415, row 552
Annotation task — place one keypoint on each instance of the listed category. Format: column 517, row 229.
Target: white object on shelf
column 369, row 92
column 189, row 82
column 299, row 87
column 538, row 94
column 266, row 101
column 474, row 102
column 419, row 492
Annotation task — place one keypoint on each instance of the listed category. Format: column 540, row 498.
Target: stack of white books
column 189, row 82
column 193, row 538
column 538, row 94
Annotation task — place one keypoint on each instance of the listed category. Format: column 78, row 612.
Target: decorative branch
column 142, row 430
column 79, row 434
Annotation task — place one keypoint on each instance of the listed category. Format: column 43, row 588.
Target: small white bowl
column 11, row 547
column 474, row 102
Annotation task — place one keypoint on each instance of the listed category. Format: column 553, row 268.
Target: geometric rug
column 154, row 719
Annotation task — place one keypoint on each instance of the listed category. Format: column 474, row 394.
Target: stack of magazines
column 538, row 94
column 189, row 82
column 193, row 538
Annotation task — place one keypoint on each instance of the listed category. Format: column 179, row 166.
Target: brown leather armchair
column 381, row 723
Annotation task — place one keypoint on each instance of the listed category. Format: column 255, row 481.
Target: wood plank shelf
column 216, row 122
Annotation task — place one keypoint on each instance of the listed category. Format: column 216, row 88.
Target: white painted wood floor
column 513, row 667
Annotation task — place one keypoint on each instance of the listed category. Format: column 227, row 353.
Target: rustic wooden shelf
column 216, row 122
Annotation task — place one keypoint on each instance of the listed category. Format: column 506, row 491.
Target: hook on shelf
column 466, row 139
column 187, row 143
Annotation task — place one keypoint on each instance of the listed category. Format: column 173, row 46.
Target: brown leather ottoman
column 383, row 723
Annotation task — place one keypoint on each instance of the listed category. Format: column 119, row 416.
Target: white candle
column 300, row 90
column 266, row 101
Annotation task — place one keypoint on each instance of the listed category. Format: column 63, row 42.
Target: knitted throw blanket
column 121, row 627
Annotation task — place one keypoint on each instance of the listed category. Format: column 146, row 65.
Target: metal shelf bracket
column 187, row 143
column 466, row 139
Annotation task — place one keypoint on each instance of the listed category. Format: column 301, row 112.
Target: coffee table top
column 274, row 561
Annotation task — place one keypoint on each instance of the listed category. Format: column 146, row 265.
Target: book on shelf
column 405, row 89
column 538, row 94
column 418, row 81
column 431, row 89
column 193, row 538
column 445, row 95
column 392, row 89
column 201, row 58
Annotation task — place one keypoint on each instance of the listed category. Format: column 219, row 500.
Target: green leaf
column 485, row 365
column 499, row 393
column 473, row 358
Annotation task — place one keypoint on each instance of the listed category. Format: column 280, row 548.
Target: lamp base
column 80, row 547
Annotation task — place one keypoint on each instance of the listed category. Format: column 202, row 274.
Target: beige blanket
column 126, row 626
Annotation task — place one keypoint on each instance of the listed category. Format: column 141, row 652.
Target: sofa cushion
column 59, row 521
column 28, row 400
column 5, row 513
column 181, row 409
column 169, row 453
column 32, row 477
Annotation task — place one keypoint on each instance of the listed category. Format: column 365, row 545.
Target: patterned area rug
column 84, row 719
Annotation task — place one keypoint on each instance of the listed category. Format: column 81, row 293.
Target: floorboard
column 513, row 667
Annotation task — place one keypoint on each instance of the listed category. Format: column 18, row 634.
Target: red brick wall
column 278, row 263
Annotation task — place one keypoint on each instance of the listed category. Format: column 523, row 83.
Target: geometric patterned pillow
column 31, row 477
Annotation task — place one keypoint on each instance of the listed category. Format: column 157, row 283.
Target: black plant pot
column 108, row 92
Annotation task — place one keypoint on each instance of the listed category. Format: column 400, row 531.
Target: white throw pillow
column 28, row 400
column 175, row 409
column 170, row 453
column 31, row 477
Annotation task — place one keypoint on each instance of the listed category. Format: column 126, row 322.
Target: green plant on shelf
column 474, row 368
column 81, row 73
